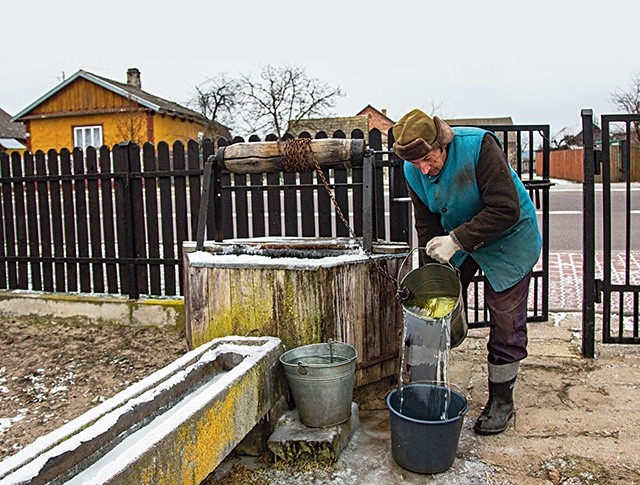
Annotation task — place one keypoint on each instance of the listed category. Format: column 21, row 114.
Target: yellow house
column 90, row 110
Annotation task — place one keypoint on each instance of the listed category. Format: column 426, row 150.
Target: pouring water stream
column 425, row 354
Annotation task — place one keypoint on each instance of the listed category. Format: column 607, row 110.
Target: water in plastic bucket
column 426, row 414
column 422, row 440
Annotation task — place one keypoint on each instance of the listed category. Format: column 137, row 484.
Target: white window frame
column 87, row 136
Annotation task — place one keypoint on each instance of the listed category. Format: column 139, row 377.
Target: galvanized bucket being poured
column 421, row 286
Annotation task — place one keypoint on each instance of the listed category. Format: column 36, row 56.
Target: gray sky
column 539, row 62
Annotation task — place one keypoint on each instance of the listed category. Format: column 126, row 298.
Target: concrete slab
column 93, row 309
column 294, row 443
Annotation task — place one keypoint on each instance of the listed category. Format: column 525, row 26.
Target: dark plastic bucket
column 421, row 442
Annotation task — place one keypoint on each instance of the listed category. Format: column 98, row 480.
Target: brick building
column 379, row 120
column 357, row 126
column 341, row 127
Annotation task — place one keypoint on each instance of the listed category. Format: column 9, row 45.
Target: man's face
column 432, row 162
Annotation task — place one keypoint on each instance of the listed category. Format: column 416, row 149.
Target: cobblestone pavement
column 565, row 279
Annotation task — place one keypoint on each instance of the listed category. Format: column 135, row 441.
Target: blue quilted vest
column 454, row 194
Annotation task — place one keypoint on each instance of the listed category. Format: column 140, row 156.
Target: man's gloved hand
column 442, row 248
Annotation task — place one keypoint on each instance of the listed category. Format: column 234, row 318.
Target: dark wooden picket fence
column 95, row 222
column 113, row 220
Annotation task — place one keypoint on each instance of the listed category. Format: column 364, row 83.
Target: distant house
column 357, row 126
column 12, row 135
column 338, row 127
column 511, row 141
column 570, row 137
column 378, row 120
column 500, row 120
column 91, row 110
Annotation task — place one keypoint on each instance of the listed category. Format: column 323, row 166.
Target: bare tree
column 280, row 97
column 217, row 99
column 629, row 101
column 436, row 107
column 131, row 126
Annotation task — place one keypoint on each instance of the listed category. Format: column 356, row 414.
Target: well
column 302, row 290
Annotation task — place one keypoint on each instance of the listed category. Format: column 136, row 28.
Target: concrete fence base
column 82, row 308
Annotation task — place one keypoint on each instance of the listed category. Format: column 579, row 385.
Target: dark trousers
column 507, row 315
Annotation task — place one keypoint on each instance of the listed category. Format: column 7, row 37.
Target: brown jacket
column 501, row 207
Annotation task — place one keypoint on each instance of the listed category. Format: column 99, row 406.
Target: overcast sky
column 539, row 62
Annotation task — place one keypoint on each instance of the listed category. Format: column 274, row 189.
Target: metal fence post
column 588, row 238
column 211, row 199
column 367, row 200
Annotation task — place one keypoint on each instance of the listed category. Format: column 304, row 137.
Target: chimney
column 384, row 111
column 133, row 77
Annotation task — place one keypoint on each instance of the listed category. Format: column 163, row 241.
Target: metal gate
column 616, row 159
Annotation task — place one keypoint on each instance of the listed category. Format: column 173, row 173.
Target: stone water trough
column 301, row 290
column 175, row 426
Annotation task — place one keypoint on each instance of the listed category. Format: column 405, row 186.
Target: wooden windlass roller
column 296, row 155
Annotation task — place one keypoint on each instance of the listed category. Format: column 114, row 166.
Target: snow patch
column 6, row 423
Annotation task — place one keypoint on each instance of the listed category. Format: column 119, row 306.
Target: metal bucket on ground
column 321, row 378
column 421, row 441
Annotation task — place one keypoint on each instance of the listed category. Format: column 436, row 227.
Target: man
column 472, row 210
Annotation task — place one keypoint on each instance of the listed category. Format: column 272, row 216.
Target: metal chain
column 295, row 155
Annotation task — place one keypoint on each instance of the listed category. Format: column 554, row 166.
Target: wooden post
column 217, row 195
column 264, row 157
column 126, row 149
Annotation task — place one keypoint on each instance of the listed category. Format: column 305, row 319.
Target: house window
column 87, row 136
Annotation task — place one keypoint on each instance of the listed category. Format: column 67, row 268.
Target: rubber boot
column 498, row 410
column 500, row 407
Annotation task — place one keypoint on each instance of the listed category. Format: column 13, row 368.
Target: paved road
column 565, row 216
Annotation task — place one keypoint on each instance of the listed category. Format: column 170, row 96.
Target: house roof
column 330, row 125
column 369, row 107
column 9, row 129
column 502, row 120
column 149, row 101
column 11, row 144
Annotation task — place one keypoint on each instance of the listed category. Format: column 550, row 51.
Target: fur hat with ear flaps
column 416, row 134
